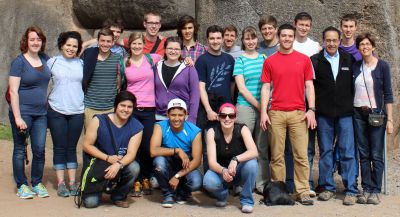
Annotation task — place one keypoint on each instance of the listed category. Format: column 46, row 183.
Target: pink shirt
column 141, row 81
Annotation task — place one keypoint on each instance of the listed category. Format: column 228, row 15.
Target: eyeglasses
column 153, row 23
column 173, row 49
column 223, row 115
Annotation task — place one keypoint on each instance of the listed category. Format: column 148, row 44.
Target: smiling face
column 286, row 39
column 116, row 31
column 303, row 27
column 268, row 32
column 349, row 29
column 70, row 48
column 176, row 118
column 331, row 42
column 105, row 43
column 250, row 42
column 214, row 41
column 34, row 42
column 152, row 24
column 226, row 118
column 173, row 51
column 366, row 48
column 137, row 47
column 188, row 32
column 229, row 39
column 124, row 110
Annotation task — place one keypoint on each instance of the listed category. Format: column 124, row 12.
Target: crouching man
column 126, row 132
column 176, row 146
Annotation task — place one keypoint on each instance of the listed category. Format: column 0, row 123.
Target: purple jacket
column 184, row 85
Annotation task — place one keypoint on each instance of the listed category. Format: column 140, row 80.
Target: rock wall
column 54, row 16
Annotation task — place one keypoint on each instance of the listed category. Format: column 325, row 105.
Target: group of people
column 250, row 114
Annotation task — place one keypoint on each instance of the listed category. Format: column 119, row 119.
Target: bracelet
column 121, row 166
column 107, row 158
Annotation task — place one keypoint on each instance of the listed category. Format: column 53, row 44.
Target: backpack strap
column 155, row 47
column 150, row 60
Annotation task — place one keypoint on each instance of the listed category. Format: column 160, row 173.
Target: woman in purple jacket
column 176, row 80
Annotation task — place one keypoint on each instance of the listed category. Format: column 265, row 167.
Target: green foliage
column 5, row 132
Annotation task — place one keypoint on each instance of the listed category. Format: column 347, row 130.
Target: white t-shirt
column 361, row 96
column 309, row 47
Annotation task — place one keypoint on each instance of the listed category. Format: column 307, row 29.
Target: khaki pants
column 90, row 113
column 281, row 121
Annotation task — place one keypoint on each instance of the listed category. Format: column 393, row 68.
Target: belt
column 146, row 109
column 364, row 108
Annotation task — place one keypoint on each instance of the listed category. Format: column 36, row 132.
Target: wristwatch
column 177, row 176
column 235, row 159
column 312, row 109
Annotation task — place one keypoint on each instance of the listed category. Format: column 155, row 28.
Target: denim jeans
column 65, row 132
column 246, row 173
column 290, row 164
column 370, row 143
column 120, row 193
column 37, row 126
column 166, row 167
column 250, row 116
column 342, row 129
column 147, row 119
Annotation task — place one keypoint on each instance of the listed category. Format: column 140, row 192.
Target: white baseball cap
column 177, row 103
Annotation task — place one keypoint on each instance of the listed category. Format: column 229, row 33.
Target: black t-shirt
column 226, row 151
column 168, row 73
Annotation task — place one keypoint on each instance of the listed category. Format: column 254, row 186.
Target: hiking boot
column 121, row 203
column 62, row 190
column 137, row 189
column 168, row 202
column 349, row 200
column 306, row 200
column 146, row 188
column 362, row 198
column 373, row 199
column 74, row 189
column 181, row 200
column 24, row 192
column 326, row 195
column 247, row 209
column 40, row 190
column 312, row 193
column 221, row 204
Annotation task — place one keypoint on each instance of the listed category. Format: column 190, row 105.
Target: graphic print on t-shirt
column 218, row 75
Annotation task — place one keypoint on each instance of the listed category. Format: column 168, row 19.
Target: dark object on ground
column 276, row 193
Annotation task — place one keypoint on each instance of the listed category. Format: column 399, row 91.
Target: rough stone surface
column 92, row 13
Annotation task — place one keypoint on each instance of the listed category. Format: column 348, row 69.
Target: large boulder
column 92, row 13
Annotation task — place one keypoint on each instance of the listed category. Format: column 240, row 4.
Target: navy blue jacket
column 89, row 58
column 382, row 82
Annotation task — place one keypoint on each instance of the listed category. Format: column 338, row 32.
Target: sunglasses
column 223, row 115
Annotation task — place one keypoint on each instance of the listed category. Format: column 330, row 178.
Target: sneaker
column 40, row 190
column 25, row 192
column 306, row 200
column 349, row 200
column 62, row 190
column 154, row 182
column 74, row 189
column 362, row 198
column 326, row 195
column 247, row 209
column 121, row 203
column 146, row 188
column 137, row 189
column 181, row 200
column 373, row 199
column 168, row 202
column 312, row 193
column 221, row 204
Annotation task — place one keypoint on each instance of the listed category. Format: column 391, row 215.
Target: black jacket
column 333, row 98
column 89, row 58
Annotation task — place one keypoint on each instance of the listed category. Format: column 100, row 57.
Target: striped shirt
column 102, row 88
column 193, row 52
column 251, row 70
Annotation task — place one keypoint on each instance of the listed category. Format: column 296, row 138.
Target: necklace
column 227, row 138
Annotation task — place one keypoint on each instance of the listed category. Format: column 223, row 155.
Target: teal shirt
column 251, row 70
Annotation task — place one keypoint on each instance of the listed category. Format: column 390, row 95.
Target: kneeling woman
column 232, row 154
column 127, row 134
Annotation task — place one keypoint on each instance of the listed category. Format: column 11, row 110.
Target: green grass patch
column 5, row 132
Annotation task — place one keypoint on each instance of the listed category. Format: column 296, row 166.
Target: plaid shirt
column 193, row 52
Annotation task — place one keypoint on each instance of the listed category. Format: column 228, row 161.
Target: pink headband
column 227, row 105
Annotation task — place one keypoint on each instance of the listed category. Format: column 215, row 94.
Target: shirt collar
column 326, row 55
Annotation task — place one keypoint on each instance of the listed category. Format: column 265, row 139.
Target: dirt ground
column 200, row 205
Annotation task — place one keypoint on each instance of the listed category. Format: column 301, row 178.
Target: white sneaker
column 154, row 182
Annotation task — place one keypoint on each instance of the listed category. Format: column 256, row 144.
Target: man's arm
column 133, row 147
column 265, row 90
column 310, row 115
column 196, row 156
column 211, row 115
column 155, row 144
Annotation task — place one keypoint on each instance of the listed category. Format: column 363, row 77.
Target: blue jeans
column 290, row 164
column 65, row 132
column 166, row 167
column 342, row 129
column 120, row 193
column 147, row 119
column 370, row 142
column 246, row 173
column 37, row 126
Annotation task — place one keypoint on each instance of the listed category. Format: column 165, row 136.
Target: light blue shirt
column 334, row 61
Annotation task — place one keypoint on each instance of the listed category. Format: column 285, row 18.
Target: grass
column 5, row 132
